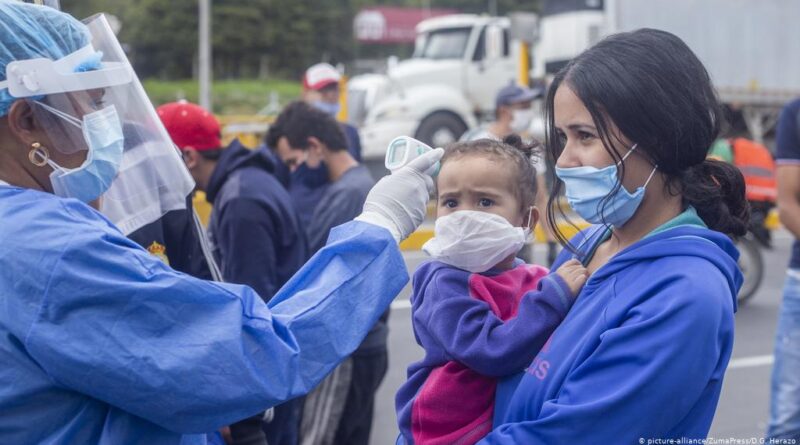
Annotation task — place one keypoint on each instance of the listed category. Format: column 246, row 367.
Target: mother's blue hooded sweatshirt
column 641, row 354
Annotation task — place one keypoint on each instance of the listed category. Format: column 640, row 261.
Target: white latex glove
column 398, row 202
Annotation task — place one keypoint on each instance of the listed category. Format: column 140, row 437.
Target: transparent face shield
column 92, row 98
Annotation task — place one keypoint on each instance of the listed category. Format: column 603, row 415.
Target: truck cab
column 447, row 86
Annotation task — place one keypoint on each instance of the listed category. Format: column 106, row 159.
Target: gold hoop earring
column 38, row 155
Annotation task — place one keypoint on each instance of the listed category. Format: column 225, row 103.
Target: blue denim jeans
column 784, row 422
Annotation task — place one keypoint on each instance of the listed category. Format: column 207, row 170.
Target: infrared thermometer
column 402, row 150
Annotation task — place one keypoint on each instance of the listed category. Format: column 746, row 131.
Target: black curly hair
column 299, row 121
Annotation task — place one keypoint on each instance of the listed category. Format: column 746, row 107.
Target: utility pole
column 205, row 54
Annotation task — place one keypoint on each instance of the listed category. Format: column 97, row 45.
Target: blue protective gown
column 102, row 343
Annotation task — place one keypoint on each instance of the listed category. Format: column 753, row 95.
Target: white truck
column 751, row 48
column 449, row 84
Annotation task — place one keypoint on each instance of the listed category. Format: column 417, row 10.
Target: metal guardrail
column 250, row 130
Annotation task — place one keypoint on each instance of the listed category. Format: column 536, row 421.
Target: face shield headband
column 79, row 71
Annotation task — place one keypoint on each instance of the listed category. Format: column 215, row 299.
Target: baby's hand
column 574, row 274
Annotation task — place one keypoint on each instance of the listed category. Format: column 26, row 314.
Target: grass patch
column 228, row 96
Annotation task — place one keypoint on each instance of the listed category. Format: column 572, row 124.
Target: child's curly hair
column 512, row 150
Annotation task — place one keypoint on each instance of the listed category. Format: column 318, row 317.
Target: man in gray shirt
column 340, row 410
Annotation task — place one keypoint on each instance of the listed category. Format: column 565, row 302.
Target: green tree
column 239, row 37
column 162, row 37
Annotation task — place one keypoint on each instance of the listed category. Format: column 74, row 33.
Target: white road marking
column 401, row 304
column 751, row 362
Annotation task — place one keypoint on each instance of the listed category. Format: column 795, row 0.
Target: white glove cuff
column 376, row 219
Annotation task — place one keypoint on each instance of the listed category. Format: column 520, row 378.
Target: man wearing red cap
column 254, row 230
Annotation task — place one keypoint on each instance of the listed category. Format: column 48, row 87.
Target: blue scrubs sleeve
column 190, row 355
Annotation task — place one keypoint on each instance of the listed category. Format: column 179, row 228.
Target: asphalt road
column 744, row 405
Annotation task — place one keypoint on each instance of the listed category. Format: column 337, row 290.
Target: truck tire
column 440, row 129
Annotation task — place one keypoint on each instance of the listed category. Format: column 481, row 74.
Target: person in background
column 513, row 115
column 784, row 422
column 321, row 85
column 322, row 89
column 254, row 230
column 340, row 410
column 304, row 137
column 757, row 165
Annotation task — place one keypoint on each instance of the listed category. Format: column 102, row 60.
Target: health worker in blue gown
column 102, row 343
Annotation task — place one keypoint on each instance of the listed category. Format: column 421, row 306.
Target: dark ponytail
column 716, row 190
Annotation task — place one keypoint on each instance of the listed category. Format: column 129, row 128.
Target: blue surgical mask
column 311, row 177
column 327, row 107
column 102, row 131
column 588, row 191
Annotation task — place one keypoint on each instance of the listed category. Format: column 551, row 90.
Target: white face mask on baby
column 475, row 241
